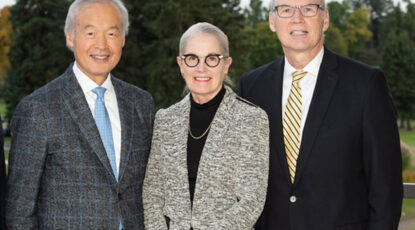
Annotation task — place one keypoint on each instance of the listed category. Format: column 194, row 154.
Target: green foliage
column 256, row 13
column 408, row 207
column 5, row 33
column 398, row 54
column 153, row 44
column 38, row 52
column 263, row 45
column 338, row 12
column 357, row 31
column 2, row 110
column 349, row 31
column 378, row 9
column 335, row 41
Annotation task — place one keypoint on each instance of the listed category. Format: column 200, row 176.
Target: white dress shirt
column 307, row 85
column 110, row 100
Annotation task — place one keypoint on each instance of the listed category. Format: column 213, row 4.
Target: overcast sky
column 9, row 2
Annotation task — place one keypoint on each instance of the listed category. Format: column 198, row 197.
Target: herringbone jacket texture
column 59, row 174
column 232, row 175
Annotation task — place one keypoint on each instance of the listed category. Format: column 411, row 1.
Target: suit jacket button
column 293, row 199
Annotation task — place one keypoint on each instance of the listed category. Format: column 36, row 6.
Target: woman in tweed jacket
column 208, row 165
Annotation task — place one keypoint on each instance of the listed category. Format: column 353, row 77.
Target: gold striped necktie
column 292, row 122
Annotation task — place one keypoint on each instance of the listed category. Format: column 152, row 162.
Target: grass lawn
column 408, row 137
column 408, row 205
column 2, row 110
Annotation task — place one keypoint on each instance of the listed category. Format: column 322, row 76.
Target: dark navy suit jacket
column 349, row 167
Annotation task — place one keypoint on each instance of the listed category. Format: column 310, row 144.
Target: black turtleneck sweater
column 201, row 115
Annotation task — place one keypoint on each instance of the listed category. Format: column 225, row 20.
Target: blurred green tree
column 156, row 29
column 378, row 10
column 398, row 58
column 262, row 45
column 38, row 50
column 255, row 13
column 39, row 54
column 349, row 31
column 5, row 40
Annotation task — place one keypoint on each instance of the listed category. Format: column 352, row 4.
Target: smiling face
column 204, row 82
column 97, row 40
column 300, row 34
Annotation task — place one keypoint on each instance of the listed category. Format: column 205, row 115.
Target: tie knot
column 298, row 75
column 99, row 91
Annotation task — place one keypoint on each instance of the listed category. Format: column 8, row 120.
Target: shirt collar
column 87, row 85
column 312, row 67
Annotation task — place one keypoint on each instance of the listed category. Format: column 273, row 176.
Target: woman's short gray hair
column 77, row 6
column 206, row 28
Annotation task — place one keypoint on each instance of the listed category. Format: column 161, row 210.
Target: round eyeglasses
column 287, row 11
column 211, row 60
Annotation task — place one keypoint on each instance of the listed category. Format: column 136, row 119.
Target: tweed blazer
column 59, row 174
column 232, row 175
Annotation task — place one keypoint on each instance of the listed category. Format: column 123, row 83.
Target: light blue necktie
column 104, row 127
column 103, row 122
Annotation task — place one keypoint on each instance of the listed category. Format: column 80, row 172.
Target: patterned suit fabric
column 60, row 176
column 232, row 175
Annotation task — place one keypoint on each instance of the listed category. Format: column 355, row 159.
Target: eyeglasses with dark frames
column 211, row 60
column 287, row 11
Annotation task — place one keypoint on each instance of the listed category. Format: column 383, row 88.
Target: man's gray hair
column 272, row 4
column 205, row 28
column 77, row 6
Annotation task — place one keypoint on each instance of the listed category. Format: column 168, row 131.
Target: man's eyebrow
column 88, row 26
column 114, row 27
column 91, row 26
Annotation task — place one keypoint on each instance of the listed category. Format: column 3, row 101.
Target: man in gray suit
column 80, row 143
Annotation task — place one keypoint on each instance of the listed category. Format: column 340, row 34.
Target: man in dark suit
column 80, row 143
column 2, row 179
column 335, row 157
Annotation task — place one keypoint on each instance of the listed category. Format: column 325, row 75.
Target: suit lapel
column 323, row 92
column 274, row 83
column 74, row 100
column 214, row 140
column 180, row 125
column 126, row 110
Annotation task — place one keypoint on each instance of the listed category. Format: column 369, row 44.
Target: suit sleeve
column 251, row 174
column 382, row 156
column 153, row 187
column 26, row 162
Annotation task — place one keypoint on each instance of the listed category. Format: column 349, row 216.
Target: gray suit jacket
column 232, row 176
column 59, row 173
